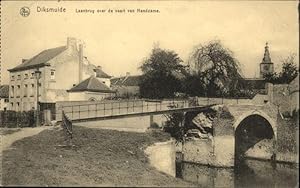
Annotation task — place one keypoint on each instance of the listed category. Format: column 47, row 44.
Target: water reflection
column 248, row 173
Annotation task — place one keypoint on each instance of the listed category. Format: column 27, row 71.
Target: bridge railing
column 115, row 108
column 107, row 109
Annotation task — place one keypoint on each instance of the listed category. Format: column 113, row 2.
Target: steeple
column 266, row 66
column 267, row 58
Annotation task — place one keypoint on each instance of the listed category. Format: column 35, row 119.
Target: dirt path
column 7, row 140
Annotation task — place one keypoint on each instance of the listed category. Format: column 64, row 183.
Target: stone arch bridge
column 250, row 131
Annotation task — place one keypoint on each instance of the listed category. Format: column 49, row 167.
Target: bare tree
column 217, row 67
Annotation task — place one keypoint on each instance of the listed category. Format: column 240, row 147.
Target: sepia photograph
column 162, row 93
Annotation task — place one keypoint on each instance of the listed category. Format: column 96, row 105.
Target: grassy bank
column 101, row 158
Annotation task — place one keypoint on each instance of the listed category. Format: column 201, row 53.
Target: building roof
column 254, row 83
column 4, row 91
column 101, row 74
column 127, row 80
column 91, row 84
column 40, row 59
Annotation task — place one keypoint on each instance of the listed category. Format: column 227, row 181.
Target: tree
column 218, row 69
column 289, row 72
column 159, row 78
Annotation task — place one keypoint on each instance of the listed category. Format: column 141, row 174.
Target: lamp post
column 37, row 75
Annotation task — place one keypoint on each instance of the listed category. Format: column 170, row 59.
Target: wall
column 210, row 101
column 199, row 151
column 123, row 91
column 162, row 156
column 24, row 99
column 88, row 96
column 105, row 81
column 285, row 96
column 54, row 95
column 131, row 124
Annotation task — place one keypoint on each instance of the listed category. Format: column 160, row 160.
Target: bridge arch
column 259, row 113
column 255, row 135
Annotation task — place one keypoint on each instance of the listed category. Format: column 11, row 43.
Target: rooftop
column 127, row 80
column 40, row 59
column 91, row 84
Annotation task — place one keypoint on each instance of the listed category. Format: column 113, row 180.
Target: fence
column 93, row 110
column 68, row 129
column 13, row 119
column 88, row 109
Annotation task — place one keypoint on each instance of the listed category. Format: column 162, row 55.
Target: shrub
column 175, row 126
column 13, row 119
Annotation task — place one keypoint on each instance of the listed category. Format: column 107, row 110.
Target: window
column 32, row 75
column 25, row 90
column 26, row 76
column 52, row 74
column 12, row 91
column 6, row 100
column 31, row 90
column 18, row 90
column 12, row 77
column 19, row 77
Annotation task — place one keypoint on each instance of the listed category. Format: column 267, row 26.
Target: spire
column 267, row 58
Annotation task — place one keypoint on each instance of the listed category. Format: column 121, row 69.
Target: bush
column 13, row 119
column 175, row 126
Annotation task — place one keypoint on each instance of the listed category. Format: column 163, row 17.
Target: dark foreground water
column 248, row 173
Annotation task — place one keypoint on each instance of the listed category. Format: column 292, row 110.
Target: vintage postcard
column 149, row 93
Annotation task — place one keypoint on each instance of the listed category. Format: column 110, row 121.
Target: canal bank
column 249, row 173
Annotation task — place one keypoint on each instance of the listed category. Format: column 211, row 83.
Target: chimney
column 95, row 72
column 24, row 60
column 71, row 44
column 80, row 62
column 99, row 67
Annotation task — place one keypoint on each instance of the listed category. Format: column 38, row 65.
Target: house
column 91, row 89
column 4, row 97
column 102, row 76
column 126, row 86
column 46, row 77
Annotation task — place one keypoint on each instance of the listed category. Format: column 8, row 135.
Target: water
column 248, row 173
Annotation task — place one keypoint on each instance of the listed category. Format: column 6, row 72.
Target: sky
column 120, row 41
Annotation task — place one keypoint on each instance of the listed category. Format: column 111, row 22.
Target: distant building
column 266, row 66
column 258, row 85
column 91, row 89
column 60, row 69
column 126, row 86
column 102, row 76
column 4, row 97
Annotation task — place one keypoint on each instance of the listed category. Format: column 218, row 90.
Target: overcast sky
column 119, row 41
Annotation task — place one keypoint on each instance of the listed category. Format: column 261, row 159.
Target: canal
column 247, row 173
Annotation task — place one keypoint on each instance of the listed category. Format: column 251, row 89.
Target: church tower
column 266, row 66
